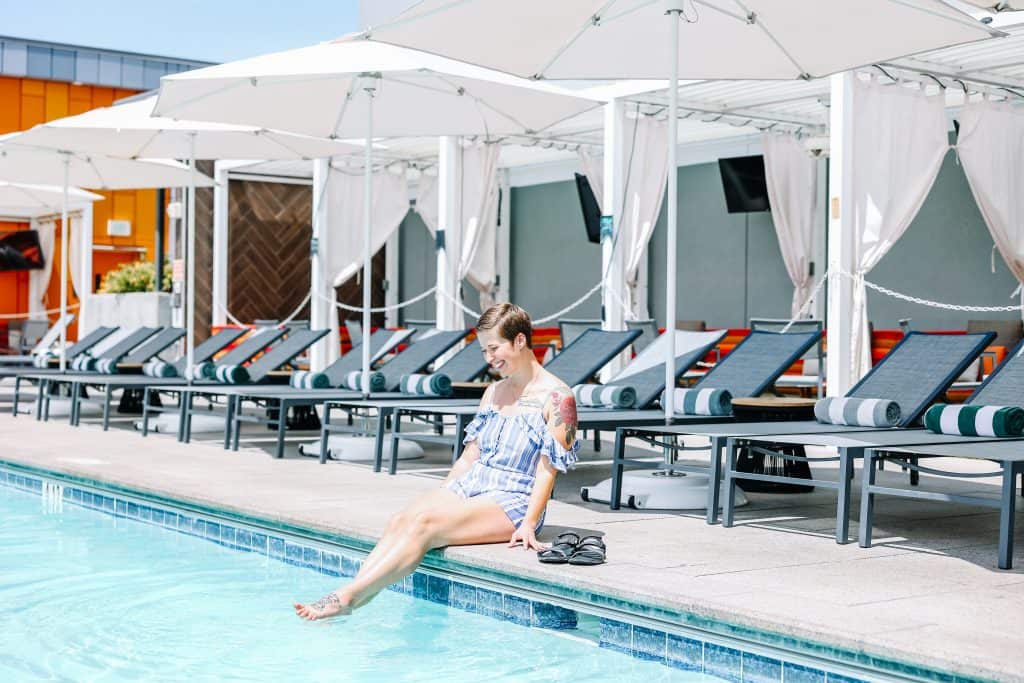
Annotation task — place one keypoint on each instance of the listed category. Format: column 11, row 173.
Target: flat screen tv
column 20, row 250
column 746, row 189
column 591, row 211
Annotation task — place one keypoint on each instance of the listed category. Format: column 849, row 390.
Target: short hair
column 509, row 320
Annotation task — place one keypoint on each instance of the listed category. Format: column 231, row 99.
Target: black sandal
column 561, row 549
column 589, row 551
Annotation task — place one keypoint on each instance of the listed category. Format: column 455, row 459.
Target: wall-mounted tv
column 743, row 179
column 20, row 250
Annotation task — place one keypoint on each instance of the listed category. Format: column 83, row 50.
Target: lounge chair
column 914, row 372
column 44, row 344
column 129, row 379
column 417, row 356
column 47, row 363
column 576, row 364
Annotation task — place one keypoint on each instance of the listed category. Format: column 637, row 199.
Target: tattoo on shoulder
column 529, row 402
column 563, row 412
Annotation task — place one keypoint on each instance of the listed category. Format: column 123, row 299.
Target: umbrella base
column 646, row 490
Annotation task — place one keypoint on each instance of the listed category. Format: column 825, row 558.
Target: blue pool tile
column 259, row 543
column 684, row 653
column 489, row 602
column 350, row 565
column 36, row 485
column 649, row 643
column 227, row 535
column 419, row 585
column 724, row 662
column 759, row 669
column 292, row 553
column 243, row 538
column 212, row 530
column 66, row 494
column 108, row 504
column 517, row 610
column 311, row 558
column 185, row 524
column 122, row 508
column 616, row 635
column 199, row 527
column 797, row 673
column 76, row 496
column 145, row 513
column 546, row 615
column 330, row 563
column 276, row 547
column 438, row 589
column 87, row 499
column 463, row 596
column 133, row 510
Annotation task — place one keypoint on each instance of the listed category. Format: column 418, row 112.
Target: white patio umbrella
column 130, row 130
column 20, row 199
column 721, row 39
column 344, row 89
column 21, row 163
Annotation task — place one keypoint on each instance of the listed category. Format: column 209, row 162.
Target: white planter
column 151, row 309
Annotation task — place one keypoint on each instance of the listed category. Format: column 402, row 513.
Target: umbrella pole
column 65, row 235
column 367, row 221
column 190, row 257
column 673, row 209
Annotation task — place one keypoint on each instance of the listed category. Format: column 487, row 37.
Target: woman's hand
column 526, row 537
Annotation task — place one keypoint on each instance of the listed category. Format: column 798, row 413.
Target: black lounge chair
column 41, row 347
column 914, row 373
column 83, row 346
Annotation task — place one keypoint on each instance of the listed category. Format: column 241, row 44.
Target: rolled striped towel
column 437, row 384
column 204, row 371
column 83, row 364
column 598, row 396
column 158, row 368
column 304, row 379
column 232, row 374
column 858, row 412
column 106, row 366
column 43, row 360
column 700, row 401
column 378, row 382
column 968, row 420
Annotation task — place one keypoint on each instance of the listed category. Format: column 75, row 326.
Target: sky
column 203, row 30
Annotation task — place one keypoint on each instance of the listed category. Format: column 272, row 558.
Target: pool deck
column 927, row 593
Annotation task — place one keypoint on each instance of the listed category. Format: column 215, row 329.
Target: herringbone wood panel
column 204, row 256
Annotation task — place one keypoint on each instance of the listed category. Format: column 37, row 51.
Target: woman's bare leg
column 444, row 519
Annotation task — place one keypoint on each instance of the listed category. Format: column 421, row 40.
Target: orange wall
column 25, row 102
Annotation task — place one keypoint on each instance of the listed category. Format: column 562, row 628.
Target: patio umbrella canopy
column 130, row 130
column 343, row 89
column 705, row 39
column 18, row 199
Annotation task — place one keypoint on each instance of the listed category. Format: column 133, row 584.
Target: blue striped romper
column 510, row 446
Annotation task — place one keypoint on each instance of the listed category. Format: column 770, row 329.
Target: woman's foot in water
column 331, row 605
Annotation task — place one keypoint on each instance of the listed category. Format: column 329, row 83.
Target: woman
column 523, row 435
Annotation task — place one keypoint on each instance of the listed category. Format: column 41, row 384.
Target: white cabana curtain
column 74, row 236
column 792, row 178
column 39, row 280
column 899, row 141
column 478, row 207
column 344, row 197
column 991, row 149
column 644, row 187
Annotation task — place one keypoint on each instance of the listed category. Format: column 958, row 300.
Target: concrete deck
column 927, row 593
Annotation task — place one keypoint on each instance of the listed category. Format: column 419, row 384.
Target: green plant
column 136, row 276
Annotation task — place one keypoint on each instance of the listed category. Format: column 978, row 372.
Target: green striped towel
column 436, row 384
column 378, row 382
column 232, row 374
column 304, row 379
column 699, row 401
column 858, row 412
column 106, row 366
column 204, row 371
column 599, row 396
column 83, row 364
column 158, row 368
column 970, row 420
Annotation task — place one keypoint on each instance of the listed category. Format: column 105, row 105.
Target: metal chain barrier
column 26, row 316
column 381, row 309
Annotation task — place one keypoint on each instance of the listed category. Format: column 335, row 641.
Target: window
column 39, row 61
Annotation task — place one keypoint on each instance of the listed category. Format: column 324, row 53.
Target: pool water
column 90, row 596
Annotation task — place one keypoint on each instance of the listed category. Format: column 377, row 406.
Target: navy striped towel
column 858, row 412
column 437, row 384
column 598, row 396
column 378, row 382
column 700, row 401
column 43, row 360
column 965, row 420
column 204, row 371
column 232, row 374
column 107, row 366
column 83, row 364
column 158, row 368
column 304, row 379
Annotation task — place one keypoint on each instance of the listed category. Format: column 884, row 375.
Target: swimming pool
column 92, row 587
